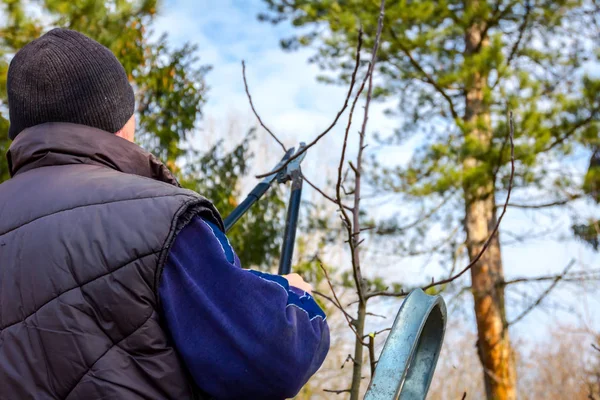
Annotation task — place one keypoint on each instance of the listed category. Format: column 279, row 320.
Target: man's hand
column 297, row 281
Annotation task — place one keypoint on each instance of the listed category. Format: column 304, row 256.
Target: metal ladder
column 407, row 362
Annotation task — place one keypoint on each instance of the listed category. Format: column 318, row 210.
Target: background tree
column 562, row 366
column 589, row 231
column 170, row 86
column 457, row 68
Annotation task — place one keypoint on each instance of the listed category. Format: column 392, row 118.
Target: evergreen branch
column 428, row 77
column 546, row 205
column 543, row 295
column 490, row 237
column 255, row 112
column 522, row 29
column 497, row 16
column 570, row 132
column 337, row 117
column 495, row 230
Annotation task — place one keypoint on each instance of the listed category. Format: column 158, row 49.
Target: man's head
column 64, row 76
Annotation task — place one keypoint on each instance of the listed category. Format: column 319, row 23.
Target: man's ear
column 128, row 131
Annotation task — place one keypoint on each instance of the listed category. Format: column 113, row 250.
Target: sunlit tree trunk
column 487, row 275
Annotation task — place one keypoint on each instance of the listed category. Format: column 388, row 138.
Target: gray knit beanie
column 64, row 76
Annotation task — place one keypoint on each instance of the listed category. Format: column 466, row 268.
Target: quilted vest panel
column 81, row 248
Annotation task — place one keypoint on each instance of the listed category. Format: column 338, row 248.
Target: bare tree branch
column 575, row 276
column 378, row 332
column 428, row 215
column 254, row 110
column 353, row 227
column 543, row 295
column 337, row 302
column 337, row 117
column 332, row 301
column 376, row 315
column 349, row 358
column 547, row 205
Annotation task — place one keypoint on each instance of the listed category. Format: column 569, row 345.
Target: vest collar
column 60, row 143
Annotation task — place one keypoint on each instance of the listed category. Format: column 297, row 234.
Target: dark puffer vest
column 85, row 226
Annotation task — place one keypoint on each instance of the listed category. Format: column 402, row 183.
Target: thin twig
column 337, row 391
column 349, row 358
column 254, row 110
column 332, row 301
column 464, row 396
column 426, row 216
column 324, row 194
column 337, row 117
column 348, row 317
column 543, row 295
column 337, row 302
column 595, row 347
column 379, row 332
column 338, row 187
column 376, row 315
column 384, row 293
column 546, row 205
column 575, row 276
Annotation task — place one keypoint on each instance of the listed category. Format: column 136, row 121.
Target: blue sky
column 297, row 107
column 283, row 85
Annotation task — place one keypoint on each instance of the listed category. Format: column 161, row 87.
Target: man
column 116, row 283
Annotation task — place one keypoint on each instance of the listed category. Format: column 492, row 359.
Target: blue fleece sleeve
column 242, row 334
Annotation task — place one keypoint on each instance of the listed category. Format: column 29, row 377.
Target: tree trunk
column 495, row 352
